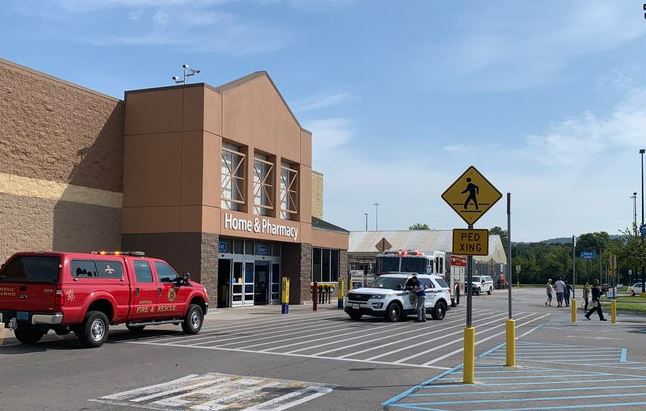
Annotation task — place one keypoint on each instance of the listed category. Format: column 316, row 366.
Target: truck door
column 145, row 291
column 172, row 300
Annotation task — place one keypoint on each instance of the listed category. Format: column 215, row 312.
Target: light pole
column 634, row 197
column 366, row 215
column 376, row 216
column 641, row 152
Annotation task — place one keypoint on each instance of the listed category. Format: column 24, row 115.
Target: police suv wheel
column 439, row 311
column 394, row 312
column 194, row 319
column 28, row 335
column 94, row 331
column 489, row 292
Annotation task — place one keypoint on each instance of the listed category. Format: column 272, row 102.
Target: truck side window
column 165, row 272
column 109, row 269
column 83, row 269
column 143, row 272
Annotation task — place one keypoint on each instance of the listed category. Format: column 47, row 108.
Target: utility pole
column 634, row 197
column 366, row 215
column 641, row 152
column 376, row 216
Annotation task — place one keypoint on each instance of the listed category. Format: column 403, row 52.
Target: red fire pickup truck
column 86, row 293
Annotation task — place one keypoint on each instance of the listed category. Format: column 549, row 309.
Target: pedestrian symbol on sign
column 473, row 192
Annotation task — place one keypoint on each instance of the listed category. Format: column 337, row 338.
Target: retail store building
column 216, row 180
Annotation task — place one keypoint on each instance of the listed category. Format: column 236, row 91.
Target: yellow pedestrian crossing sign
column 471, row 195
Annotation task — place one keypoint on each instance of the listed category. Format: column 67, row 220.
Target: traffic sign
column 642, row 230
column 470, row 242
column 588, row 255
column 383, row 245
column 471, row 195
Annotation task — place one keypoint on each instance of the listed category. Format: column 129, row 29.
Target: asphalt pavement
column 257, row 358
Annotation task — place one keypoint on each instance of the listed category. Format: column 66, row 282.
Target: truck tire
column 194, row 319
column 439, row 311
column 489, row 292
column 355, row 315
column 28, row 335
column 394, row 312
column 94, row 331
column 477, row 291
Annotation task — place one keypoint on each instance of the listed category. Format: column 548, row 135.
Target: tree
column 502, row 233
column 419, row 226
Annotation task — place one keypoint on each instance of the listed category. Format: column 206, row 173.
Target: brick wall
column 58, row 142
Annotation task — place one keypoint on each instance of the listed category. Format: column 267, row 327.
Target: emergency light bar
column 404, row 253
column 130, row 253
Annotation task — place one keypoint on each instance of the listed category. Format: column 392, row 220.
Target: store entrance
column 261, row 283
column 224, row 282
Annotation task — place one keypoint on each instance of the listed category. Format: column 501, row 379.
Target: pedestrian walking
column 566, row 293
column 586, row 295
column 550, row 291
column 560, row 290
column 457, row 293
column 596, row 302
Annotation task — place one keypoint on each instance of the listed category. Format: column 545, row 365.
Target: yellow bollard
column 469, row 355
column 613, row 311
column 511, row 343
column 573, row 306
column 340, row 294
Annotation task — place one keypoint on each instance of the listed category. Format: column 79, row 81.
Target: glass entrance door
column 275, row 283
column 237, row 284
column 261, row 283
column 248, row 285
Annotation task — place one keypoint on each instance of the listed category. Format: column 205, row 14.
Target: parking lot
column 325, row 361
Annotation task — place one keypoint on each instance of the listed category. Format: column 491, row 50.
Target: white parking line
column 408, row 347
column 438, row 359
column 436, row 330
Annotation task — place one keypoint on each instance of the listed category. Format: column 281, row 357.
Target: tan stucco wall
column 330, row 239
column 173, row 146
column 317, row 194
column 61, row 164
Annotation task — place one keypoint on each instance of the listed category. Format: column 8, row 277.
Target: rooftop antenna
column 188, row 72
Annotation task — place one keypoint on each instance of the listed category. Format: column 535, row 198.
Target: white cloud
column 328, row 134
column 202, row 26
column 323, row 100
column 510, row 46
column 576, row 141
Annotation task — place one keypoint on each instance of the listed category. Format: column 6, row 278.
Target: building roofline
column 57, row 79
column 226, row 86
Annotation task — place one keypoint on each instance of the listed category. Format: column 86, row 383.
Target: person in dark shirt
column 596, row 302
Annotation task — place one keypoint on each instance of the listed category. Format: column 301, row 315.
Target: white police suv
column 482, row 284
column 387, row 297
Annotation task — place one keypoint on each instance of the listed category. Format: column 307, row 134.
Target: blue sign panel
column 222, row 246
column 262, row 249
column 642, row 230
column 588, row 255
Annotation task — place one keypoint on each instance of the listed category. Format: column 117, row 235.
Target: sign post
column 471, row 196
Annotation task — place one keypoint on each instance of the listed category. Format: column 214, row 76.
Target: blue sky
column 547, row 99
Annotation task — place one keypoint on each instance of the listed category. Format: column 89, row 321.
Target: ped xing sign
column 471, row 195
column 470, row 242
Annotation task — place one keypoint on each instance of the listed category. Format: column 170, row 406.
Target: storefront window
column 334, row 265
column 316, row 264
column 237, row 246
column 248, row 247
column 263, row 187
column 233, row 177
column 288, row 191
column 325, row 265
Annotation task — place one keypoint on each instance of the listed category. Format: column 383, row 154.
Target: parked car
column 481, row 284
column 636, row 289
column 387, row 297
column 86, row 293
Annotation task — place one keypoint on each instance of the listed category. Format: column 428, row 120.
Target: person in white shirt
column 560, row 289
column 549, row 289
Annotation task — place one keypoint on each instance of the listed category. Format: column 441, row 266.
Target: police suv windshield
column 393, row 283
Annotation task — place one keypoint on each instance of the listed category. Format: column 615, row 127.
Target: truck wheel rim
column 98, row 330
column 195, row 319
